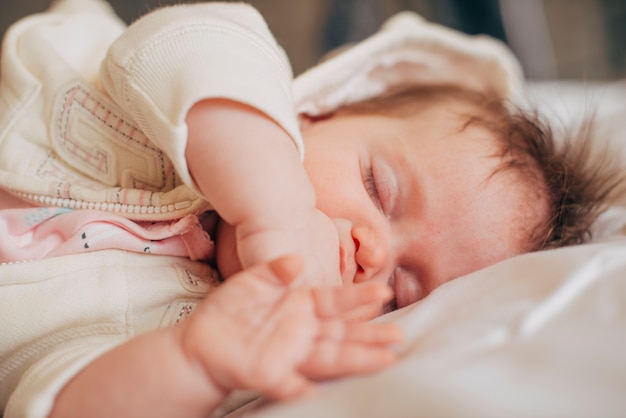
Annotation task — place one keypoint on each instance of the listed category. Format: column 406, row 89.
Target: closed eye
column 372, row 189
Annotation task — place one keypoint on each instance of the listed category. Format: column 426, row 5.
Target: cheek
column 337, row 183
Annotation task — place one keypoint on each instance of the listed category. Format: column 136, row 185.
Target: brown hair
column 577, row 180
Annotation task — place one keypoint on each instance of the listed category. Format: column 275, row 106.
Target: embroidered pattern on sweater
column 184, row 311
column 178, row 311
column 197, row 283
column 96, row 138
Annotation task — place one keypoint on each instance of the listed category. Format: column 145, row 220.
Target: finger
column 360, row 332
column 365, row 312
column 330, row 360
column 291, row 387
column 336, row 301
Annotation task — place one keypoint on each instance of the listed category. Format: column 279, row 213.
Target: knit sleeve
column 39, row 385
column 176, row 56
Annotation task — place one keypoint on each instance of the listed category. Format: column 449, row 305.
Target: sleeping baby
column 186, row 227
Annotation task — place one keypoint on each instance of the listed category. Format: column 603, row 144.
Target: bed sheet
column 539, row 335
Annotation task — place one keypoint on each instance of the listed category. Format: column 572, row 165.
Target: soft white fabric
column 226, row 50
column 408, row 50
column 93, row 115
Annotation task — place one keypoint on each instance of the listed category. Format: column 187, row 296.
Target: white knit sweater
column 112, row 136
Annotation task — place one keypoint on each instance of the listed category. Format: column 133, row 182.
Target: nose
column 372, row 254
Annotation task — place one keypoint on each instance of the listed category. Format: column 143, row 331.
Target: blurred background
column 554, row 39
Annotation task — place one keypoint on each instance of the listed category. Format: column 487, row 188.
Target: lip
column 399, row 293
column 408, row 288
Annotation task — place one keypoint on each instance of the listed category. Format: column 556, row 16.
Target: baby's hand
column 311, row 235
column 256, row 332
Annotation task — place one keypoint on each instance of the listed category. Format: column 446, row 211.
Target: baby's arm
column 249, row 169
column 253, row 332
column 183, row 74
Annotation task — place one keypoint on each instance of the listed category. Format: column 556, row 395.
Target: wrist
column 268, row 238
column 313, row 237
column 209, row 393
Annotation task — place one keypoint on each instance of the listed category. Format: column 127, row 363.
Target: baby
column 117, row 141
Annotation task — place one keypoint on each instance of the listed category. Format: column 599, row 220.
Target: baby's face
column 414, row 199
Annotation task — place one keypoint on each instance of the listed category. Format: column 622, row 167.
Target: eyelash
column 372, row 190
